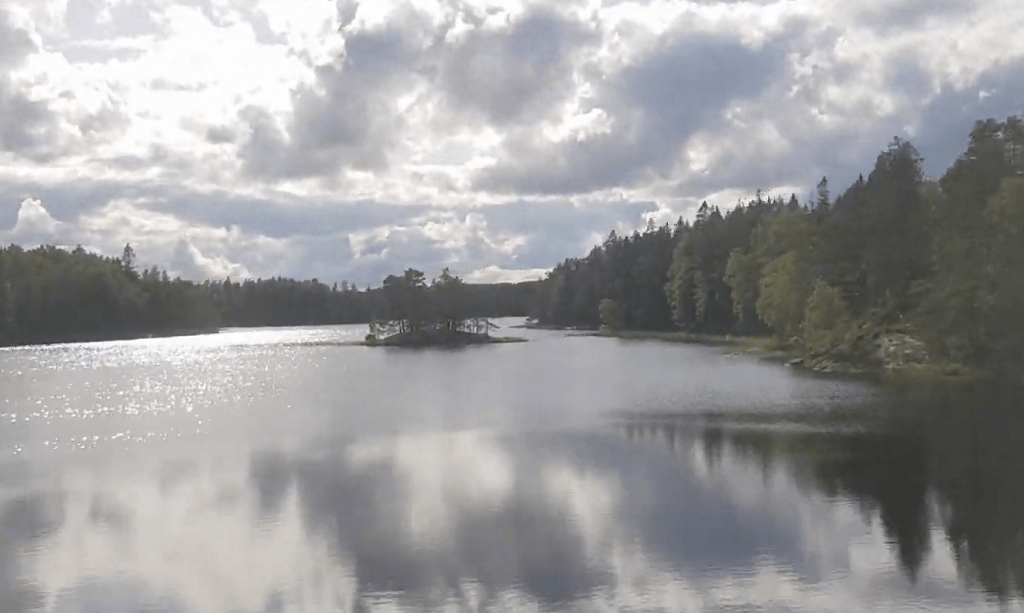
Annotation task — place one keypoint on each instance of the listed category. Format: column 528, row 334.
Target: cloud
column 517, row 74
column 652, row 105
column 35, row 226
column 361, row 242
column 220, row 135
column 24, row 521
column 353, row 139
column 16, row 43
column 456, row 520
column 349, row 118
column 183, row 248
column 913, row 14
column 189, row 262
column 493, row 274
column 26, row 124
column 940, row 135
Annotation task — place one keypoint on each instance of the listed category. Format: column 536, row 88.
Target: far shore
column 438, row 338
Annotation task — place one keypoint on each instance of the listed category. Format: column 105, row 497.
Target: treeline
column 629, row 272
column 50, row 295
column 410, row 303
column 895, row 267
column 287, row 302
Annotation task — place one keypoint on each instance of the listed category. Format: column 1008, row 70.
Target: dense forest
column 895, row 267
column 50, row 295
column 279, row 301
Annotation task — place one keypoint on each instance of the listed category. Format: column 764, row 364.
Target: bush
column 783, row 295
column 611, row 314
column 826, row 322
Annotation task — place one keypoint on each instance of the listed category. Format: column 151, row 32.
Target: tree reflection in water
column 951, row 459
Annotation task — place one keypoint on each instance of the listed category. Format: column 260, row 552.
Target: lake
column 279, row 470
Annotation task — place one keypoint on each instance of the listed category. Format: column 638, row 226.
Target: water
column 272, row 471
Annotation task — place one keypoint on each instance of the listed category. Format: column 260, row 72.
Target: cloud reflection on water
column 464, row 521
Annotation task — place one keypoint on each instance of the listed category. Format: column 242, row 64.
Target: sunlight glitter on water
column 279, row 470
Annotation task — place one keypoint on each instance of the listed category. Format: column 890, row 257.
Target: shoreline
column 497, row 340
column 438, row 338
column 898, row 376
column 86, row 339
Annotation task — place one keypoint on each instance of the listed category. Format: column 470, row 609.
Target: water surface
column 278, row 470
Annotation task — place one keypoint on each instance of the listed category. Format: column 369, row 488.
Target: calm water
column 272, row 471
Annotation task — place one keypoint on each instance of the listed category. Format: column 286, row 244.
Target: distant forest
column 50, row 295
column 931, row 267
column 931, row 270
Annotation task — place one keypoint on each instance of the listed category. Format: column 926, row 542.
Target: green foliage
column 1003, row 296
column 663, row 278
column 52, row 295
column 450, row 299
column 826, row 311
column 743, row 276
column 895, row 249
column 611, row 315
column 892, row 261
column 405, row 300
column 630, row 270
column 412, row 312
column 682, row 287
column 826, row 321
column 706, row 295
column 784, row 291
column 969, row 306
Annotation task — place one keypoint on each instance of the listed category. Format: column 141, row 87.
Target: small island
column 438, row 337
column 438, row 315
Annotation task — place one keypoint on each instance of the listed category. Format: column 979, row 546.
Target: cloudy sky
column 345, row 140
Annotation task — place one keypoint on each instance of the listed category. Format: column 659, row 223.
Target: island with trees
column 898, row 272
column 53, row 295
column 442, row 314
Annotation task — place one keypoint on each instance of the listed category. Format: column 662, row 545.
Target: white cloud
column 452, row 104
column 35, row 226
column 183, row 248
column 443, row 519
column 190, row 263
column 493, row 274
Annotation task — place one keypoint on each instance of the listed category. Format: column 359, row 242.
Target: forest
column 896, row 267
column 51, row 295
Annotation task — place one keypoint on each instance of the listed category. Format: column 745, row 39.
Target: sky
column 348, row 140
